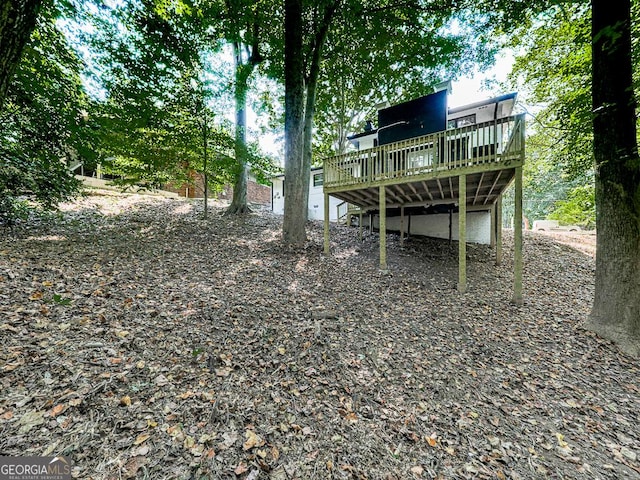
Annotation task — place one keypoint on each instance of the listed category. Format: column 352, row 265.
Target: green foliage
column 158, row 111
column 390, row 52
column 41, row 125
column 554, row 65
column 578, row 209
column 556, row 71
column 60, row 300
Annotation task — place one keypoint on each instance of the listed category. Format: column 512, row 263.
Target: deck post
column 402, row 226
column 360, row 226
column 326, row 224
column 517, row 240
column 383, row 229
column 499, row 230
column 462, row 234
column 493, row 229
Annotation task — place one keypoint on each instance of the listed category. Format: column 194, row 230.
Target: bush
column 39, row 179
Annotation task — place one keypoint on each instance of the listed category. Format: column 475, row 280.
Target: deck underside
column 483, row 190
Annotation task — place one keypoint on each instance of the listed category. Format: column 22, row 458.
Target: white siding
column 478, row 226
column 316, row 199
column 277, row 195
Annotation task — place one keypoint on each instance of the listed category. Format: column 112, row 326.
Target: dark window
column 462, row 121
column 317, row 179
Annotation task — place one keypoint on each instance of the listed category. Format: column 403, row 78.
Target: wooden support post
column 492, row 232
column 402, row 226
column 462, row 234
column 383, row 229
column 360, row 227
column 517, row 240
column 450, row 226
column 326, row 225
column 499, row 231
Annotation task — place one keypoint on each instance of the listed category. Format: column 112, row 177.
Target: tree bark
column 616, row 308
column 295, row 209
column 17, row 21
column 243, row 70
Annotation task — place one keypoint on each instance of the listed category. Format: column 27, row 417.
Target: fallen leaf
column 240, row 469
column 417, row 470
column 57, row 410
column 36, row 296
column 252, row 440
column 141, row 438
column 132, row 466
column 30, row 420
column 189, row 442
column 125, row 401
column 561, row 441
column 351, row 417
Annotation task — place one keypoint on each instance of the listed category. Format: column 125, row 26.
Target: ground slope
column 144, row 342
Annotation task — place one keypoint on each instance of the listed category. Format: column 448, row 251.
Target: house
column 316, row 196
column 426, row 167
column 405, row 121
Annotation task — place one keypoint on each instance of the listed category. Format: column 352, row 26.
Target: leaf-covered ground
column 145, row 342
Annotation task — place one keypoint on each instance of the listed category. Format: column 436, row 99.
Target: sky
column 472, row 88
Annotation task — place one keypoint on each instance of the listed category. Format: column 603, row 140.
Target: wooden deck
column 425, row 170
column 469, row 167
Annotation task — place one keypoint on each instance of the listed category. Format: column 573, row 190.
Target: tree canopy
column 43, row 122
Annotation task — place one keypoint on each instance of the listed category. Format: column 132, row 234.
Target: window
column 462, row 121
column 318, row 179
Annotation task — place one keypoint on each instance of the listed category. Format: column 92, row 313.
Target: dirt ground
column 145, row 342
column 582, row 241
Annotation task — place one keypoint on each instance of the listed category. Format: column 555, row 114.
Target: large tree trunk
column 17, row 21
column 243, row 71
column 295, row 209
column 616, row 308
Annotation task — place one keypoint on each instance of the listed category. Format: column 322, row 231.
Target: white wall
column 316, row 199
column 277, row 199
column 478, row 226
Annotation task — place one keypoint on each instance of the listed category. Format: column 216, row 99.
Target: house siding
column 437, row 226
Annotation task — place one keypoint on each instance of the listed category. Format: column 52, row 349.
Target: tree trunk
column 616, row 307
column 295, row 209
column 205, row 165
column 239, row 204
column 17, row 21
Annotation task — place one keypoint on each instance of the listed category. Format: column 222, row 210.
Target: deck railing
column 484, row 143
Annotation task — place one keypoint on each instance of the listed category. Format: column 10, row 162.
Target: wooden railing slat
column 479, row 144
